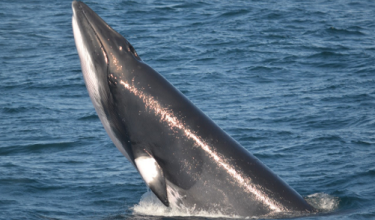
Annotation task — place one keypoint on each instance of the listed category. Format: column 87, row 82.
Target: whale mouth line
column 97, row 37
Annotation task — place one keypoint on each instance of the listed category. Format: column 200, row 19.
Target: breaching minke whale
column 183, row 156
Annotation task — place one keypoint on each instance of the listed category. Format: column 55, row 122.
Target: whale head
column 104, row 53
column 105, row 56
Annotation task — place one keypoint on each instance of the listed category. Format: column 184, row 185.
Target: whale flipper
column 153, row 175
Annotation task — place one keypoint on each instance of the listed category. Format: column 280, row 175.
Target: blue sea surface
column 292, row 81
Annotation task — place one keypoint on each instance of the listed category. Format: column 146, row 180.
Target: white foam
column 150, row 205
column 323, row 202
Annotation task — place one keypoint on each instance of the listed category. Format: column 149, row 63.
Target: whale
column 184, row 158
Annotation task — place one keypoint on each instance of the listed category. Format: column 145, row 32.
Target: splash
column 323, row 202
column 151, row 206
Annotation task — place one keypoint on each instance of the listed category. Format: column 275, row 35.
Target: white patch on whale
column 148, row 168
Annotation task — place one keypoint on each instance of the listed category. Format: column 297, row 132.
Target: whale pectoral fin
column 153, row 175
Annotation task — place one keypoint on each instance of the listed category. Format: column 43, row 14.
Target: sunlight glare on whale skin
column 173, row 122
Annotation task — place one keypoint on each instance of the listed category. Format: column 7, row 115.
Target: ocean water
column 292, row 81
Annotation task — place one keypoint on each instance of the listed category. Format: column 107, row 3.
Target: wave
column 35, row 148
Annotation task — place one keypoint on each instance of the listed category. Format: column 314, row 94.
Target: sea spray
column 151, row 205
column 323, row 202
